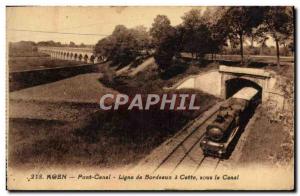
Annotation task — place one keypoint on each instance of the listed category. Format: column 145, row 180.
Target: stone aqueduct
column 86, row 55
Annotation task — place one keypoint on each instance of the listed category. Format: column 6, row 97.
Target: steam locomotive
column 232, row 115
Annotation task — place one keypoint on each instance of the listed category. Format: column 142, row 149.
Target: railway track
column 182, row 153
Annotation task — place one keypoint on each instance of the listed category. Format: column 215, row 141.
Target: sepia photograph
column 150, row 98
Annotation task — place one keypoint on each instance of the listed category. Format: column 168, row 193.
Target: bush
column 165, row 51
column 163, row 58
column 178, row 67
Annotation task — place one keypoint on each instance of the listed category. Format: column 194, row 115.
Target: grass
column 285, row 70
column 103, row 138
column 268, row 142
column 151, row 80
column 29, row 59
column 118, row 138
column 83, row 88
column 30, row 63
column 26, row 53
column 254, row 58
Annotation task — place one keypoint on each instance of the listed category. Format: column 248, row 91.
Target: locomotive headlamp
column 215, row 133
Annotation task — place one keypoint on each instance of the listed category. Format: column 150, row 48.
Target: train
column 221, row 134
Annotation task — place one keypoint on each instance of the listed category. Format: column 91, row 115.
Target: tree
column 278, row 22
column 213, row 17
column 142, row 37
column 240, row 22
column 291, row 47
column 82, row 45
column 123, row 45
column 72, row 44
column 180, row 30
column 166, row 49
column 262, row 41
column 160, row 28
column 196, row 34
column 164, row 39
column 49, row 43
column 105, row 47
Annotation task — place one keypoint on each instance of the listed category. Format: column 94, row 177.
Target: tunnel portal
column 235, row 78
column 234, row 85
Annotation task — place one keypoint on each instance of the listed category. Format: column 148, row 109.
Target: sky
column 81, row 20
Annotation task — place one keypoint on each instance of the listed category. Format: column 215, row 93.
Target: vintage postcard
column 150, row 98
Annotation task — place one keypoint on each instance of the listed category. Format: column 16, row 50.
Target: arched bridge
column 86, row 55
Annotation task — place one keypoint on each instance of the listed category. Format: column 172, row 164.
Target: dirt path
column 142, row 66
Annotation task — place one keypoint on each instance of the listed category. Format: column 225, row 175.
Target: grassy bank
column 33, row 63
column 269, row 142
column 104, row 138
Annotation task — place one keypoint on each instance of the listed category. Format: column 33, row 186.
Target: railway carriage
column 232, row 115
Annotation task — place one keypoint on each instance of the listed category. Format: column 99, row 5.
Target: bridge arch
column 85, row 58
column 97, row 59
column 92, row 59
column 100, row 58
column 80, row 57
column 235, row 84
